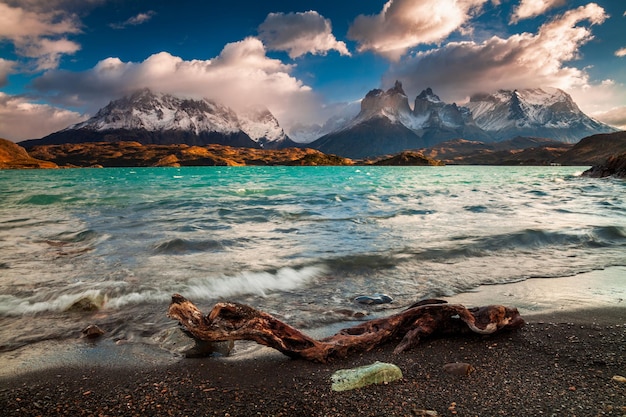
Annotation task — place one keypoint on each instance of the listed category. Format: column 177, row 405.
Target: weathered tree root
column 232, row 321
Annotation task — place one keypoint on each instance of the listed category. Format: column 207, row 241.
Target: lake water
column 298, row 242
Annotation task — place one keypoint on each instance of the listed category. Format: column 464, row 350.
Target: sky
column 62, row 60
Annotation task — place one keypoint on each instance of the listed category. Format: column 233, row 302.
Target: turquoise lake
column 298, row 242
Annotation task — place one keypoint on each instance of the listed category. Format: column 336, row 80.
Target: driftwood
column 232, row 321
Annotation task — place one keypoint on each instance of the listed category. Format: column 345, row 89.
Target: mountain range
column 162, row 119
column 386, row 123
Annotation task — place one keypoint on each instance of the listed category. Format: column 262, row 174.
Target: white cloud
column 525, row 60
column 620, row 52
column 6, row 68
column 48, row 52
column 299, row 34
column 17, row 23
column 135, row 20
column 403, row 24
column 532, row 8
column 38, row 35
column 21, row 119
column 241, row 75
column 596, row 99
column 614, row 117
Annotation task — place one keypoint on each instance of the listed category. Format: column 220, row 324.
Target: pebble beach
column 563, row 362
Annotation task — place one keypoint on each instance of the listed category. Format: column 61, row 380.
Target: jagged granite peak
column 428, row 95
column 547, row 112
column 392, row 104
column 432, row 112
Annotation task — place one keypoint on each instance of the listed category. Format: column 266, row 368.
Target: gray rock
column 92, row 331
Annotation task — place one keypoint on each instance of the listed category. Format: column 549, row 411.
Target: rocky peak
column 396, row 89
column 428, row 95
column 392, row 103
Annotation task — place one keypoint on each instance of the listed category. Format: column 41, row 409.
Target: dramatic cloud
column 614, row 117
column 241, row 75
column 532, row 8
column 525, row 60
column 20, row 119
column 403, row 24
column 38, row 35
column 620, row 52
column 6, row 68
column 54, row 5
column 135, row 20
column 299, row 34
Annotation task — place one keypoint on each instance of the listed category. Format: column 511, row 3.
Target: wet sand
column 561, row 363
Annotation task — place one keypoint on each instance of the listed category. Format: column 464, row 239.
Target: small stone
column 424, row 413
column 376, row 373
column 458, row 368
column 373, row 299
column 618, row 378
column 86, row 304
column 92, row 331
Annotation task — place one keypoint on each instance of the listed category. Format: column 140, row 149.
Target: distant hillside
column 517, row 151
column 595, row 149
column 134, row 154
column 13, row 156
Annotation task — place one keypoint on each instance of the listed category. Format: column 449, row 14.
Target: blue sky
column 61, row 60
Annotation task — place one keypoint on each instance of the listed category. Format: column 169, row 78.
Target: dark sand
column 560, row 364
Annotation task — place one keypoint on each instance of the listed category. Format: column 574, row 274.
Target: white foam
column 255, row 283
column 14, row 306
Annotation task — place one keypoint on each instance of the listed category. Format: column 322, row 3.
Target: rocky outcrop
column 13, row 156
column 408, row 158
column 615, row 166
column 134, row 154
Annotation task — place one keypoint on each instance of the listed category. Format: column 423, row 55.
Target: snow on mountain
column 154, row 117
column 261, row 125
column 263, row 128
column 392, row 104
column 161, row 112
column 547, row 112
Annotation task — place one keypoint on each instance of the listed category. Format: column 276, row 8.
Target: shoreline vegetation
column 565, row 361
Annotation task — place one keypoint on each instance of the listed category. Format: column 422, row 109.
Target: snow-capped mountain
column 542, row 112
column 262, row 127
column 144, row 109
column 387, row 124
column 158, row 118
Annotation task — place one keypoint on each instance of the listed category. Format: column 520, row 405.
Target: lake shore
column 562, row 362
